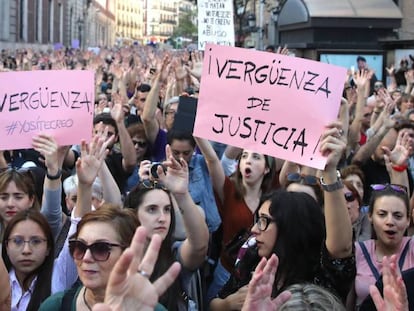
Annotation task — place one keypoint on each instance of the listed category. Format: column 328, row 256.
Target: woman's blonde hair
column 308, row 296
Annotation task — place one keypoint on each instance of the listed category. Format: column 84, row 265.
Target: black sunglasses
column 141, row 144
column 397, row 188
column 349, row 197
column 309, row 180
column 100, row 251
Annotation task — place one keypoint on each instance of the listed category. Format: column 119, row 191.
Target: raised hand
column 361, row 79
column 260, row 288
column 402, row 149
column 176, row 176
column 197, row 64
column 395, row 293
column 179, row 70
column 47, row 146
column 409, row 76
column 92, row 156
column 333, row 144
column 390, row 70
column 282, row 50
column 117, row 111
column 129, row 287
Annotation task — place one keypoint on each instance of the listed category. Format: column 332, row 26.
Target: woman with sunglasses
column 361, row 227
column 98, row 243
column 297, row 182
column 312, row 246
column 237, row 198
column 154, row 203
column 142, row 149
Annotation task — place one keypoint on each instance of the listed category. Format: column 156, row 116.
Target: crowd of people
column 146, row 216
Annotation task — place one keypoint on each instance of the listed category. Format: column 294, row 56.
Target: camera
column 154, row 167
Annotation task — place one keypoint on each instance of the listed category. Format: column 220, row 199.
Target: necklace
column 84, row 300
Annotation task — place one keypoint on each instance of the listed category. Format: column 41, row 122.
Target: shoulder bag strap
column 369, row 261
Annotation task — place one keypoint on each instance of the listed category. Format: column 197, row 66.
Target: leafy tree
column 240, row 19
column 186, row 27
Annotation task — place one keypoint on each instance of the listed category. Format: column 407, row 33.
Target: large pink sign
column 274, row 104
column 60, row 103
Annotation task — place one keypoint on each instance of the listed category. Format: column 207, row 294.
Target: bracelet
column 54, row 177
column 332, row 187
column 400, row 168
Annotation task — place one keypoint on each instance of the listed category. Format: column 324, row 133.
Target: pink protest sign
column 271, row 103
column 60, row 103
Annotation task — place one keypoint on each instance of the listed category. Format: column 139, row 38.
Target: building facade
column 129, row 21
column 44, row 24
column 160, row 19
column 32, row 23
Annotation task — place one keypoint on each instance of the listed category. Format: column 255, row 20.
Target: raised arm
column 214, row 166
column 129, row 159
column 149, row 120
column 110, row 189
column 87, row 167
column 369, row 147
column 194, row 248
column 362, row 82
column 396, row 161
column 409, row 77
column 52, row 186
column 338, row 224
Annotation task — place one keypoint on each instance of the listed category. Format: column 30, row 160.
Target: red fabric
column 363, row 139
column 235, row 216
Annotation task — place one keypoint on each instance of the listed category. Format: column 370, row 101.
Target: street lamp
column 251, row 19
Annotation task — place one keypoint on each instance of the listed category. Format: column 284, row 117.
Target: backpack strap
column 369, row 261
column 403, row 254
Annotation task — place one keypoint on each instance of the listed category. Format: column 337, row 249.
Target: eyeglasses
column 263, row 222
column 397, row 188
column 349, row 197
column 18, row 242
column 309, row 180
column 141, row 144
column 100, row 251
column 152, row 184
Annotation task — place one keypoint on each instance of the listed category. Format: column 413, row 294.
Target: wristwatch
column 332, row 187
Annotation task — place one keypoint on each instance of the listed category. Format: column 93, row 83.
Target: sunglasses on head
column 100, row 251
column 152, row 184
column 397, row 188
column 309, row 180
column 349, row 197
